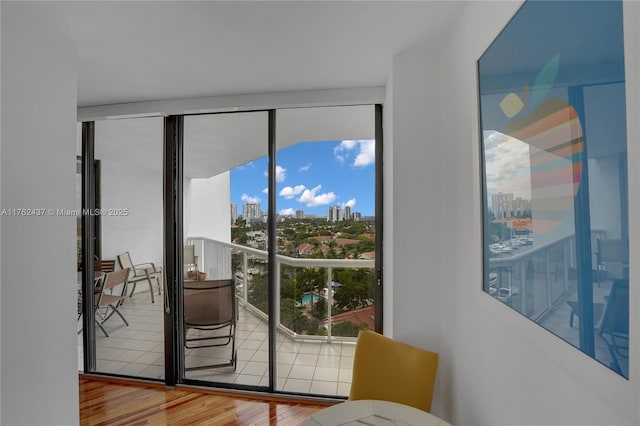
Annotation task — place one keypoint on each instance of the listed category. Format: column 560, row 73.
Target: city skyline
column 312, row 176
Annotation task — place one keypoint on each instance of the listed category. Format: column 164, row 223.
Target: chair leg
column 151, row 289
column 114, row 309
column 133, row 289
column 102, row 328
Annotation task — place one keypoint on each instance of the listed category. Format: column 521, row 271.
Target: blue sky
column 312, row 176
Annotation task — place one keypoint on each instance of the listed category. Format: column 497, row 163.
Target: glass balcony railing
column 534, row 279
column 308, row 312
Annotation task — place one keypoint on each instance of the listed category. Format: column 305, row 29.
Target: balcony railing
column 537, row 278
column 215, row 259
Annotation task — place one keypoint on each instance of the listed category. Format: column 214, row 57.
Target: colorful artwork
column 553, row 132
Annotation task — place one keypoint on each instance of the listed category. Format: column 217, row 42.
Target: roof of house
column 357, row 316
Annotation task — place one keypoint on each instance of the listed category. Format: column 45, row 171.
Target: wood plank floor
column 113, row 402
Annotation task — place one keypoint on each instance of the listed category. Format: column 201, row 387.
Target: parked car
column 504, row 295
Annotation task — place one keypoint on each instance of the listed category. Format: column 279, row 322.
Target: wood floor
column 112, row 402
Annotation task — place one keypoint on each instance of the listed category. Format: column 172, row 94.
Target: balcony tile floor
column 308, row 366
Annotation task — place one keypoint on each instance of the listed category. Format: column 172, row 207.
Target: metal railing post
column 276, row 289
column 245, row 277
column 329, row 301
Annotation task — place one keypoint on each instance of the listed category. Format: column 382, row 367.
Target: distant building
column 334, row 214
column 234, row 213
column 347, row 213
column 504, row 205
column 299, row 214
column 357, row 216
column 251, row 212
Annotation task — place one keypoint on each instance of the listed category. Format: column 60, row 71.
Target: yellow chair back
column 387, row 370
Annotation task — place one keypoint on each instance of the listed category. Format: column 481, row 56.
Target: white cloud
column 364, row 152
column 310, row 198
column 281, row 173
column 507, row 164
column 305, row 168
column 351, row 203
column 367, row 154
column 250, row 200
column 266, row 190
column 287, row 212
column 289, row 192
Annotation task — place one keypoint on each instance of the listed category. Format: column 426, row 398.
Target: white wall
column 496, row 367
column 209, row 211
column 39, row 343
column 416, row 146
column 130, row 154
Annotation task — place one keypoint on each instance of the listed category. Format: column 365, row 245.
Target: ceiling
column 154, row 50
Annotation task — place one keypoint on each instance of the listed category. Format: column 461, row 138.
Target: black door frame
column 173, row 145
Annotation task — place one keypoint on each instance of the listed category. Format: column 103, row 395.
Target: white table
column 374, row 413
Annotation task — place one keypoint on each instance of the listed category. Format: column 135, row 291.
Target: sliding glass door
column 264, row 261
column 124, row 210
column 326, row 244
column 225, row 249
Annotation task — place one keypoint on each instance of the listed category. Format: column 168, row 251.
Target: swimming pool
column 308, row 298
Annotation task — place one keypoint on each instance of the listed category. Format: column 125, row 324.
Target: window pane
column 326, row 244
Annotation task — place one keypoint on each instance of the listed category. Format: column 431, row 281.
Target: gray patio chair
column 140, row 272
column 614, row 326
column 210, row 317
column 613, row 259
column 107, row 301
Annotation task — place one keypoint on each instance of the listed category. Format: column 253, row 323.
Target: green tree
column 356, row 290
column 319, row 309
column 258, row 292
column 347, row 328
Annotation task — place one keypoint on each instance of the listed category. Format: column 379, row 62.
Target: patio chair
column 210, row 317
column 109, row 301
column 100, row 268
column 389, row 370
column 108, row 265
column 140, row 272
column 614, row 326
column 613, row 259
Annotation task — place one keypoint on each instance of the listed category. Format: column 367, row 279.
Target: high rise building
column 347, row 213
column 502, row 205
column 334, row 214
column 251, row 212
column 299, row 214
column 234, row 213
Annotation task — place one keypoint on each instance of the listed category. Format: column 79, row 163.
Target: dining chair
column 108, row 298
column 388, row 370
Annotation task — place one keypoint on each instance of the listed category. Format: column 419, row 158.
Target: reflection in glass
column 555, row 182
